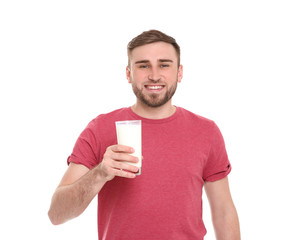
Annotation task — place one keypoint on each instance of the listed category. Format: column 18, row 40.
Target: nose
column 154, row 75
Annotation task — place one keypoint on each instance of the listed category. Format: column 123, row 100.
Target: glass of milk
column 129, row 133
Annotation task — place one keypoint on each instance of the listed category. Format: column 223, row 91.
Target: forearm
column 70, row 201
column 226, row 225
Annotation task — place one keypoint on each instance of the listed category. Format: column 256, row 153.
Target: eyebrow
column 159, row 60
column 142, row 61
column 165, row 60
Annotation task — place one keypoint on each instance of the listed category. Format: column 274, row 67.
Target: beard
column 155, row 99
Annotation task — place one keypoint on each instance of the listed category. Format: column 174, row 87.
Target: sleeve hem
column 79, row 161
column 218, row 176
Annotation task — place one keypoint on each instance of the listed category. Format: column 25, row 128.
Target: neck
column 161, row 112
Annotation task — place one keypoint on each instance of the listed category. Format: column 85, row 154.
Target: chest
column 173, row 150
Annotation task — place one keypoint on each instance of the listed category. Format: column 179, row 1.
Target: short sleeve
column 87, row 147
column 217, row 165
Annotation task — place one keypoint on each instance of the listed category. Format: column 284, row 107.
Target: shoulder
column 199, row 124
column 106, row 121
column 195, row 118
column 109, row 116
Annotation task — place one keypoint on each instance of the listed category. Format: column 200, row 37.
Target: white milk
column 129, row 133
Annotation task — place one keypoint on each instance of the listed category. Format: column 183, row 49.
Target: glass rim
column 129, row 122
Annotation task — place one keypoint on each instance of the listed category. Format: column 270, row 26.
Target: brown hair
column 152, row 36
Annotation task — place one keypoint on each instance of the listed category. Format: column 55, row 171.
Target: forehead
column 154, row 51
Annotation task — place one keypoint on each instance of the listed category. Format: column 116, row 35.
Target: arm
column 224, row 215
column 80, row 185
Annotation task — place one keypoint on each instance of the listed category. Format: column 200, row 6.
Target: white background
column 63, row 62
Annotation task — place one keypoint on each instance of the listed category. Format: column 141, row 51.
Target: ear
column 128, row 74
column 180, row 73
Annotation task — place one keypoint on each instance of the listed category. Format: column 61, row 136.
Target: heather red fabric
column 180, row 153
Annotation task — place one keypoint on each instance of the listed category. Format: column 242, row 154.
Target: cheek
column 138, row 76
column 172, row 75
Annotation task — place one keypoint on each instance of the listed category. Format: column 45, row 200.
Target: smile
column 154, row 87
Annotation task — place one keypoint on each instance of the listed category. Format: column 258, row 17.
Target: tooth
column 155, row 87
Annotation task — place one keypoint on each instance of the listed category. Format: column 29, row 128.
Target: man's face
column 154, row 73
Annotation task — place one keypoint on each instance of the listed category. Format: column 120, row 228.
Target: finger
column 124, row 157
column 125, row 174
column 122, row 148
column 124, row 166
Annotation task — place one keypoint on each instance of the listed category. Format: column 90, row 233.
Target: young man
column 182, row 152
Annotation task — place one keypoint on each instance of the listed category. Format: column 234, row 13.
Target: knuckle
column 107, row 155
column 120, row 156
column 119, row 165
column 108, row 148
column 117, row 148
column 119, row 173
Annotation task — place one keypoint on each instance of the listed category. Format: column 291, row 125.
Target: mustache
column 154, row 81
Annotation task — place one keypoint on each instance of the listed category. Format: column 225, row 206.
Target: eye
column 164, row 65
column 143, row 66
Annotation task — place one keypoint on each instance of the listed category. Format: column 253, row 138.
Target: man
column 182, row 152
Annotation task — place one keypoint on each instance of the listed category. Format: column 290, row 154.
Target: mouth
column 154, row 88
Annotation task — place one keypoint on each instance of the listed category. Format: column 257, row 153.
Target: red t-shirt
column 179, row 153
